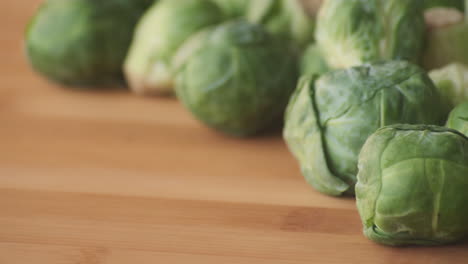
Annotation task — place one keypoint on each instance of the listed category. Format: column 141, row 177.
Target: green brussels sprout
column 447, row 38
column 233, row 8
column 458, row 118
column 82, row 42
column 412, row 184
column 353, row 32
column 162, row 30
column 328, row 119
column 452, row 83
column 285, row 18
column 458, row 4
column 313, row 62
column 241, row 79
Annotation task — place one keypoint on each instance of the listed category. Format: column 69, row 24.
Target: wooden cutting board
column 108, row 177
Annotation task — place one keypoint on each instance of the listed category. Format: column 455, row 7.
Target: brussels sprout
column 82, row 42
column 312, row 61
column 458, row 4
column 233, row 8
column 162, row 30
column 329, row 119
column 285, row 18
column 458, row 118
column 240, row 81
column 452, row 83
column 412, row 184
column 447, row 38
column 353, row 32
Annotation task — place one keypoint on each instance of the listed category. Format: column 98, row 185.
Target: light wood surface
column 108, row 177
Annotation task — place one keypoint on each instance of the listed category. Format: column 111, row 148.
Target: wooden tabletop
column 108, row 177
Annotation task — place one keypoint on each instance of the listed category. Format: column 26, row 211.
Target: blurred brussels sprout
column 82, row 42
column 458, row 4
column 233, row 8
column 353, row 32
column 447, row 38
column 412, row 185
column 162, row 30
column 312, row 62
column 458, row 118
column 285, row 18
column 241, row 79
column 452, row 83
column 329, row 119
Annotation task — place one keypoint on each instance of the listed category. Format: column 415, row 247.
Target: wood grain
column 100, row 177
